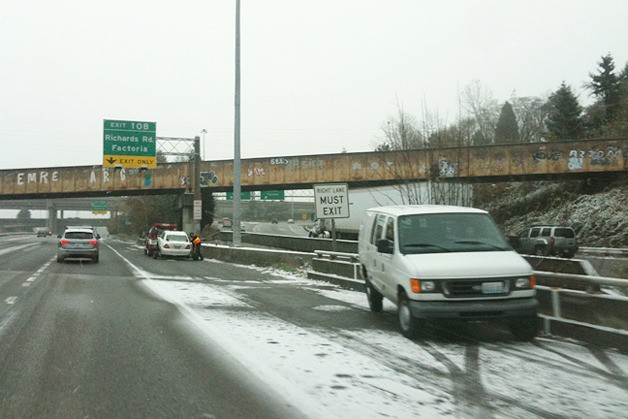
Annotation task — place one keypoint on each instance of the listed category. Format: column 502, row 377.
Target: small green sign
column 243, row 195
column 272, row 195
column 100, row 206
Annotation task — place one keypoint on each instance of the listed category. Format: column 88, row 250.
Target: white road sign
column 332, row 200
column 198, row 207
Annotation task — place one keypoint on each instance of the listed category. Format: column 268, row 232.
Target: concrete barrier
column 302, row 244
column 258, row 256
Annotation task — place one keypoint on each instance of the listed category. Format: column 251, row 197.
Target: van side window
column 535, row 232
column 390, row 229
column 379, row 228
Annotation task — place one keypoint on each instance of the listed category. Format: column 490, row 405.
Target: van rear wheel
column 410, row 325
column 374, row 297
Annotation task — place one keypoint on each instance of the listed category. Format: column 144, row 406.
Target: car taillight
column 93, row 242
column 64, row 242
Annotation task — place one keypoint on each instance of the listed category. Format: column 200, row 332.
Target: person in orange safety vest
column 196, row 247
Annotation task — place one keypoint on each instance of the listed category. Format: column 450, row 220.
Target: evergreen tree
column 617, row 125
column 507, row 130
column 24, row 214
column 564, row 119
column 605, row 85
column 623, row 76
column 385, row 146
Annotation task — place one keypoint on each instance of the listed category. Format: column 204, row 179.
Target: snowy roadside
column 323, row 373
column 374, row 373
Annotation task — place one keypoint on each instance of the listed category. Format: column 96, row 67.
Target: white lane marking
column 11, row 300
column 33, row 277
column 14, row 248
column 142, row 274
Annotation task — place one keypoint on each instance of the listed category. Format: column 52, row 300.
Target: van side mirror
column 385, row 246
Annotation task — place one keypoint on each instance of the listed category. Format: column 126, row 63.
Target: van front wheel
column 374, row 297
column 410, row 325
column 525, row 329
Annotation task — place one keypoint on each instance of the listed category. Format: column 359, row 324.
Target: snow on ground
column 319, row 376
column 353, row 373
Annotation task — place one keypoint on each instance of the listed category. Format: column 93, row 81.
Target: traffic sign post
column 332, row 201
column 129, row 144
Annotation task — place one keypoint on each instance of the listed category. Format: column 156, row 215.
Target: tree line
column 484, row 121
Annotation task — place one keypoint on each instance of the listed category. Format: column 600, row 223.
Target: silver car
column 78, row 243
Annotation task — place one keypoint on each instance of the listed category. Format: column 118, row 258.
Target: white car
column 173, row 244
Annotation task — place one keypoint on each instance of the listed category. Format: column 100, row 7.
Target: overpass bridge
column 493, row 163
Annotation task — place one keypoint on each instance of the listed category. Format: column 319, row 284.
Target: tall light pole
column 203, row 131
column 237, row 233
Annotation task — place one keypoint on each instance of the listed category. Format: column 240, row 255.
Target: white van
column 445, row 262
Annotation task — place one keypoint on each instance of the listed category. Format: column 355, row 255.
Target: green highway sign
column 243, row 195
column 100, row 206
column 272, row 195
column 129, row 144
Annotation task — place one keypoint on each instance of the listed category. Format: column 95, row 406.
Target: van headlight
column 525, row 282
column 417, row 286
column 428, row 286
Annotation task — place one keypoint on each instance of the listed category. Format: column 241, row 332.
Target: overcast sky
column 317, row 76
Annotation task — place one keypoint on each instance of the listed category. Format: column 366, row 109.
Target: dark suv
column 546, row 240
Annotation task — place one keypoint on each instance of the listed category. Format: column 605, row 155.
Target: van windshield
column 440, row 233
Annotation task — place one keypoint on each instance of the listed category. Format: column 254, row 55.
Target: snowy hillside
column 598, row 212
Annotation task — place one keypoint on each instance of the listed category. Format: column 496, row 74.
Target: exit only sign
column 129, row 144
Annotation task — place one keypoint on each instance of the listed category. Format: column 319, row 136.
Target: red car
column 150, row 243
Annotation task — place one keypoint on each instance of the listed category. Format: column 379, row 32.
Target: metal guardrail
column 604, row 251
column 584, row 279
column 351, row 257
column 341, row 263
column 570, row 305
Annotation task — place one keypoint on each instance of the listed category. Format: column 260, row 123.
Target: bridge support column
column 186, row 202
column 189, row 224
column 51, row 222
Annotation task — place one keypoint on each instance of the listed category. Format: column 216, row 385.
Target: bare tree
column 401, row 131
column 422, row 182
column 531, row 113
column 479, row 104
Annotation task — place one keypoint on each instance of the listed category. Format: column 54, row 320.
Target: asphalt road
column 87, row 340
column 137, row 337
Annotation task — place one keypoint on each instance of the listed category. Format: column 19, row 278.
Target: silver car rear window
column 79, row 235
